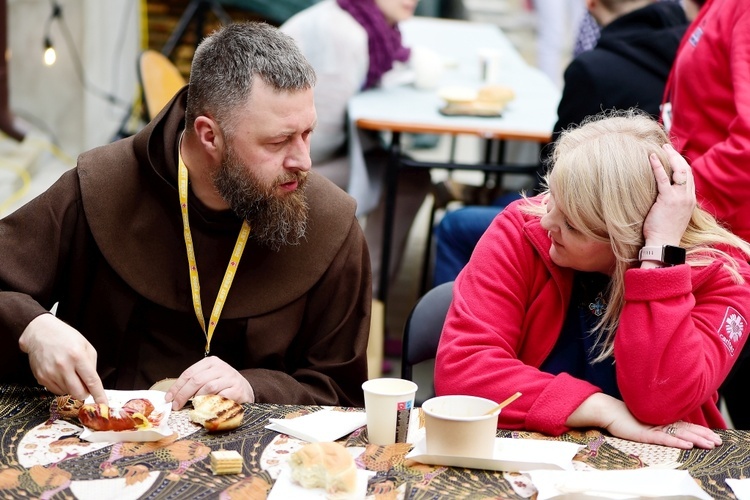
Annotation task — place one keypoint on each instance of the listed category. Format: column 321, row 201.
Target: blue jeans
column 458, row 234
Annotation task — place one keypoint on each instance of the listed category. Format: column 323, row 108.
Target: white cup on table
column 384, row 398
column 490, row 65
column 460, row 426
column 428, row 67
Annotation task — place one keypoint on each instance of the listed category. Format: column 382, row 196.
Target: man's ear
column 209, row 135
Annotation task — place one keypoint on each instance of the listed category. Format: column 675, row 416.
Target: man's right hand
column 61, row 359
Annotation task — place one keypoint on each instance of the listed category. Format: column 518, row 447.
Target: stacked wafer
column 226, row 462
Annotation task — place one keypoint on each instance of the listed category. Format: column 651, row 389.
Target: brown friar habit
column 106, row 243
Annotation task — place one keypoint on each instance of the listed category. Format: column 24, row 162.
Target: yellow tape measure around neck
column 234, row 261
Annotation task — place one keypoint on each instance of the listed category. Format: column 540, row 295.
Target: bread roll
column 324, row 465
column 216, row 413
column 496, row 94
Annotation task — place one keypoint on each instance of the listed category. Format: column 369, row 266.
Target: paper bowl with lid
column 460, row 426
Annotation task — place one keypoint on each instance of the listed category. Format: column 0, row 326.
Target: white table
column 530, row 116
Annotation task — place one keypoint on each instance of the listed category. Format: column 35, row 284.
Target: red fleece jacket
column 709, row 90
column 680, row 332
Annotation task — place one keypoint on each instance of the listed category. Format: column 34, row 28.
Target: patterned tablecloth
column 44, row 458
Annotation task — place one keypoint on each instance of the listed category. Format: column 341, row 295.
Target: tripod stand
column 195, row 9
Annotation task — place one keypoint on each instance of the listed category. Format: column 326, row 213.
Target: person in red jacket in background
column 611, row 300
column 707, row 113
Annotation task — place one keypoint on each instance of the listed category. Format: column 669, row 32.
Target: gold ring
column 680, row 183
column 671, row 429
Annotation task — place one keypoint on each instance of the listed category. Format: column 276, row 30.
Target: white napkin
column 740, row 488
column 510, row 455
column 636, row 483
column 323, row 425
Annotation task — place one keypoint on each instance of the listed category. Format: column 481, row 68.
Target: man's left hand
column 210, row 375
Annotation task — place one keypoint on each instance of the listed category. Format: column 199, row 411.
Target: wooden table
column 404, row 108
column 43, row 458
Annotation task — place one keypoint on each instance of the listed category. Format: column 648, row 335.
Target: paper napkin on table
column 740, row 488
column 510, row 455
column 635, row 483
column 323, row 425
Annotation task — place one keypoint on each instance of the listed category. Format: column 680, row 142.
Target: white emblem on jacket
column 732, row 329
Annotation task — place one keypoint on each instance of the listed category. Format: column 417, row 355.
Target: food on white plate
column 324, row 465
column 488, row 100
column 134, row 415
column 216, row 413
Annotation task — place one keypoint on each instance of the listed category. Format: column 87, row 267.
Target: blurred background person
column 589, row 30
column 707, row 110
column 628, row 68
column 355, row 45
column 557, row 23
column 630, row 63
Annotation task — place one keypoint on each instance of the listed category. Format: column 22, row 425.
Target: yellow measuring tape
column 195, row 285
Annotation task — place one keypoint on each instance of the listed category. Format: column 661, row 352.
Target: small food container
column 459, row 426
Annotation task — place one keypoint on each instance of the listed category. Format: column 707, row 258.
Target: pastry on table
column 324, row 465
column 216, row 413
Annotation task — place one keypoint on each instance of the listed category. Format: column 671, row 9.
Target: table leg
column 391, row 184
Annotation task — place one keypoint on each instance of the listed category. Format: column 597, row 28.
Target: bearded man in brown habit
column 203, row 249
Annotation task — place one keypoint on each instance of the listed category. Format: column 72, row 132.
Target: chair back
column 424, row 326
column 160, row 80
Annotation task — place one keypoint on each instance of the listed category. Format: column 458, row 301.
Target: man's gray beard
column 275, row 221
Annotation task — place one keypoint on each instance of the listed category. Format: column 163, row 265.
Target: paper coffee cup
column 384, row 399
column 490, row 63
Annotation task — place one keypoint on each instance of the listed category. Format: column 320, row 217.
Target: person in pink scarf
column 355, row 45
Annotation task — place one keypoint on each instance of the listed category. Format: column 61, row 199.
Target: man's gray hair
column 226, row 63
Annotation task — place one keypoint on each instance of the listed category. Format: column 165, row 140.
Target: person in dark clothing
column 118, row 242
column 628, row 68
column 629, row 65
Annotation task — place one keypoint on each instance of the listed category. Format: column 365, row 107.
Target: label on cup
column 388, row 403
column 402, row 421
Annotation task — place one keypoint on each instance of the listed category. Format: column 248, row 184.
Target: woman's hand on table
column 601, row 410
column 61, row 359
column 210, row 375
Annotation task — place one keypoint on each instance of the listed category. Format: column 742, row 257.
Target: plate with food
column 488, row 101
column 129, row 416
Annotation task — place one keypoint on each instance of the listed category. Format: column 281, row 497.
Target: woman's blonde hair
column 604, row 184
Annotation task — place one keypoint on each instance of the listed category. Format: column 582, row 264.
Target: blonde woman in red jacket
column 610, row 301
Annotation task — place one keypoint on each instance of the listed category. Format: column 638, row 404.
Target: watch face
column 673, row 255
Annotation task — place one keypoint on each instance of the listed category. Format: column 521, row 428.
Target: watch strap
column 666, row 254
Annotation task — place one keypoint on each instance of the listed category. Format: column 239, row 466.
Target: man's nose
column 299, row 156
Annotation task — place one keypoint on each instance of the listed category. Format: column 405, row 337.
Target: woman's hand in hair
column 669, row 216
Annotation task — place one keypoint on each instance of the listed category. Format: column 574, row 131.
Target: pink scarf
column 384, row 40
